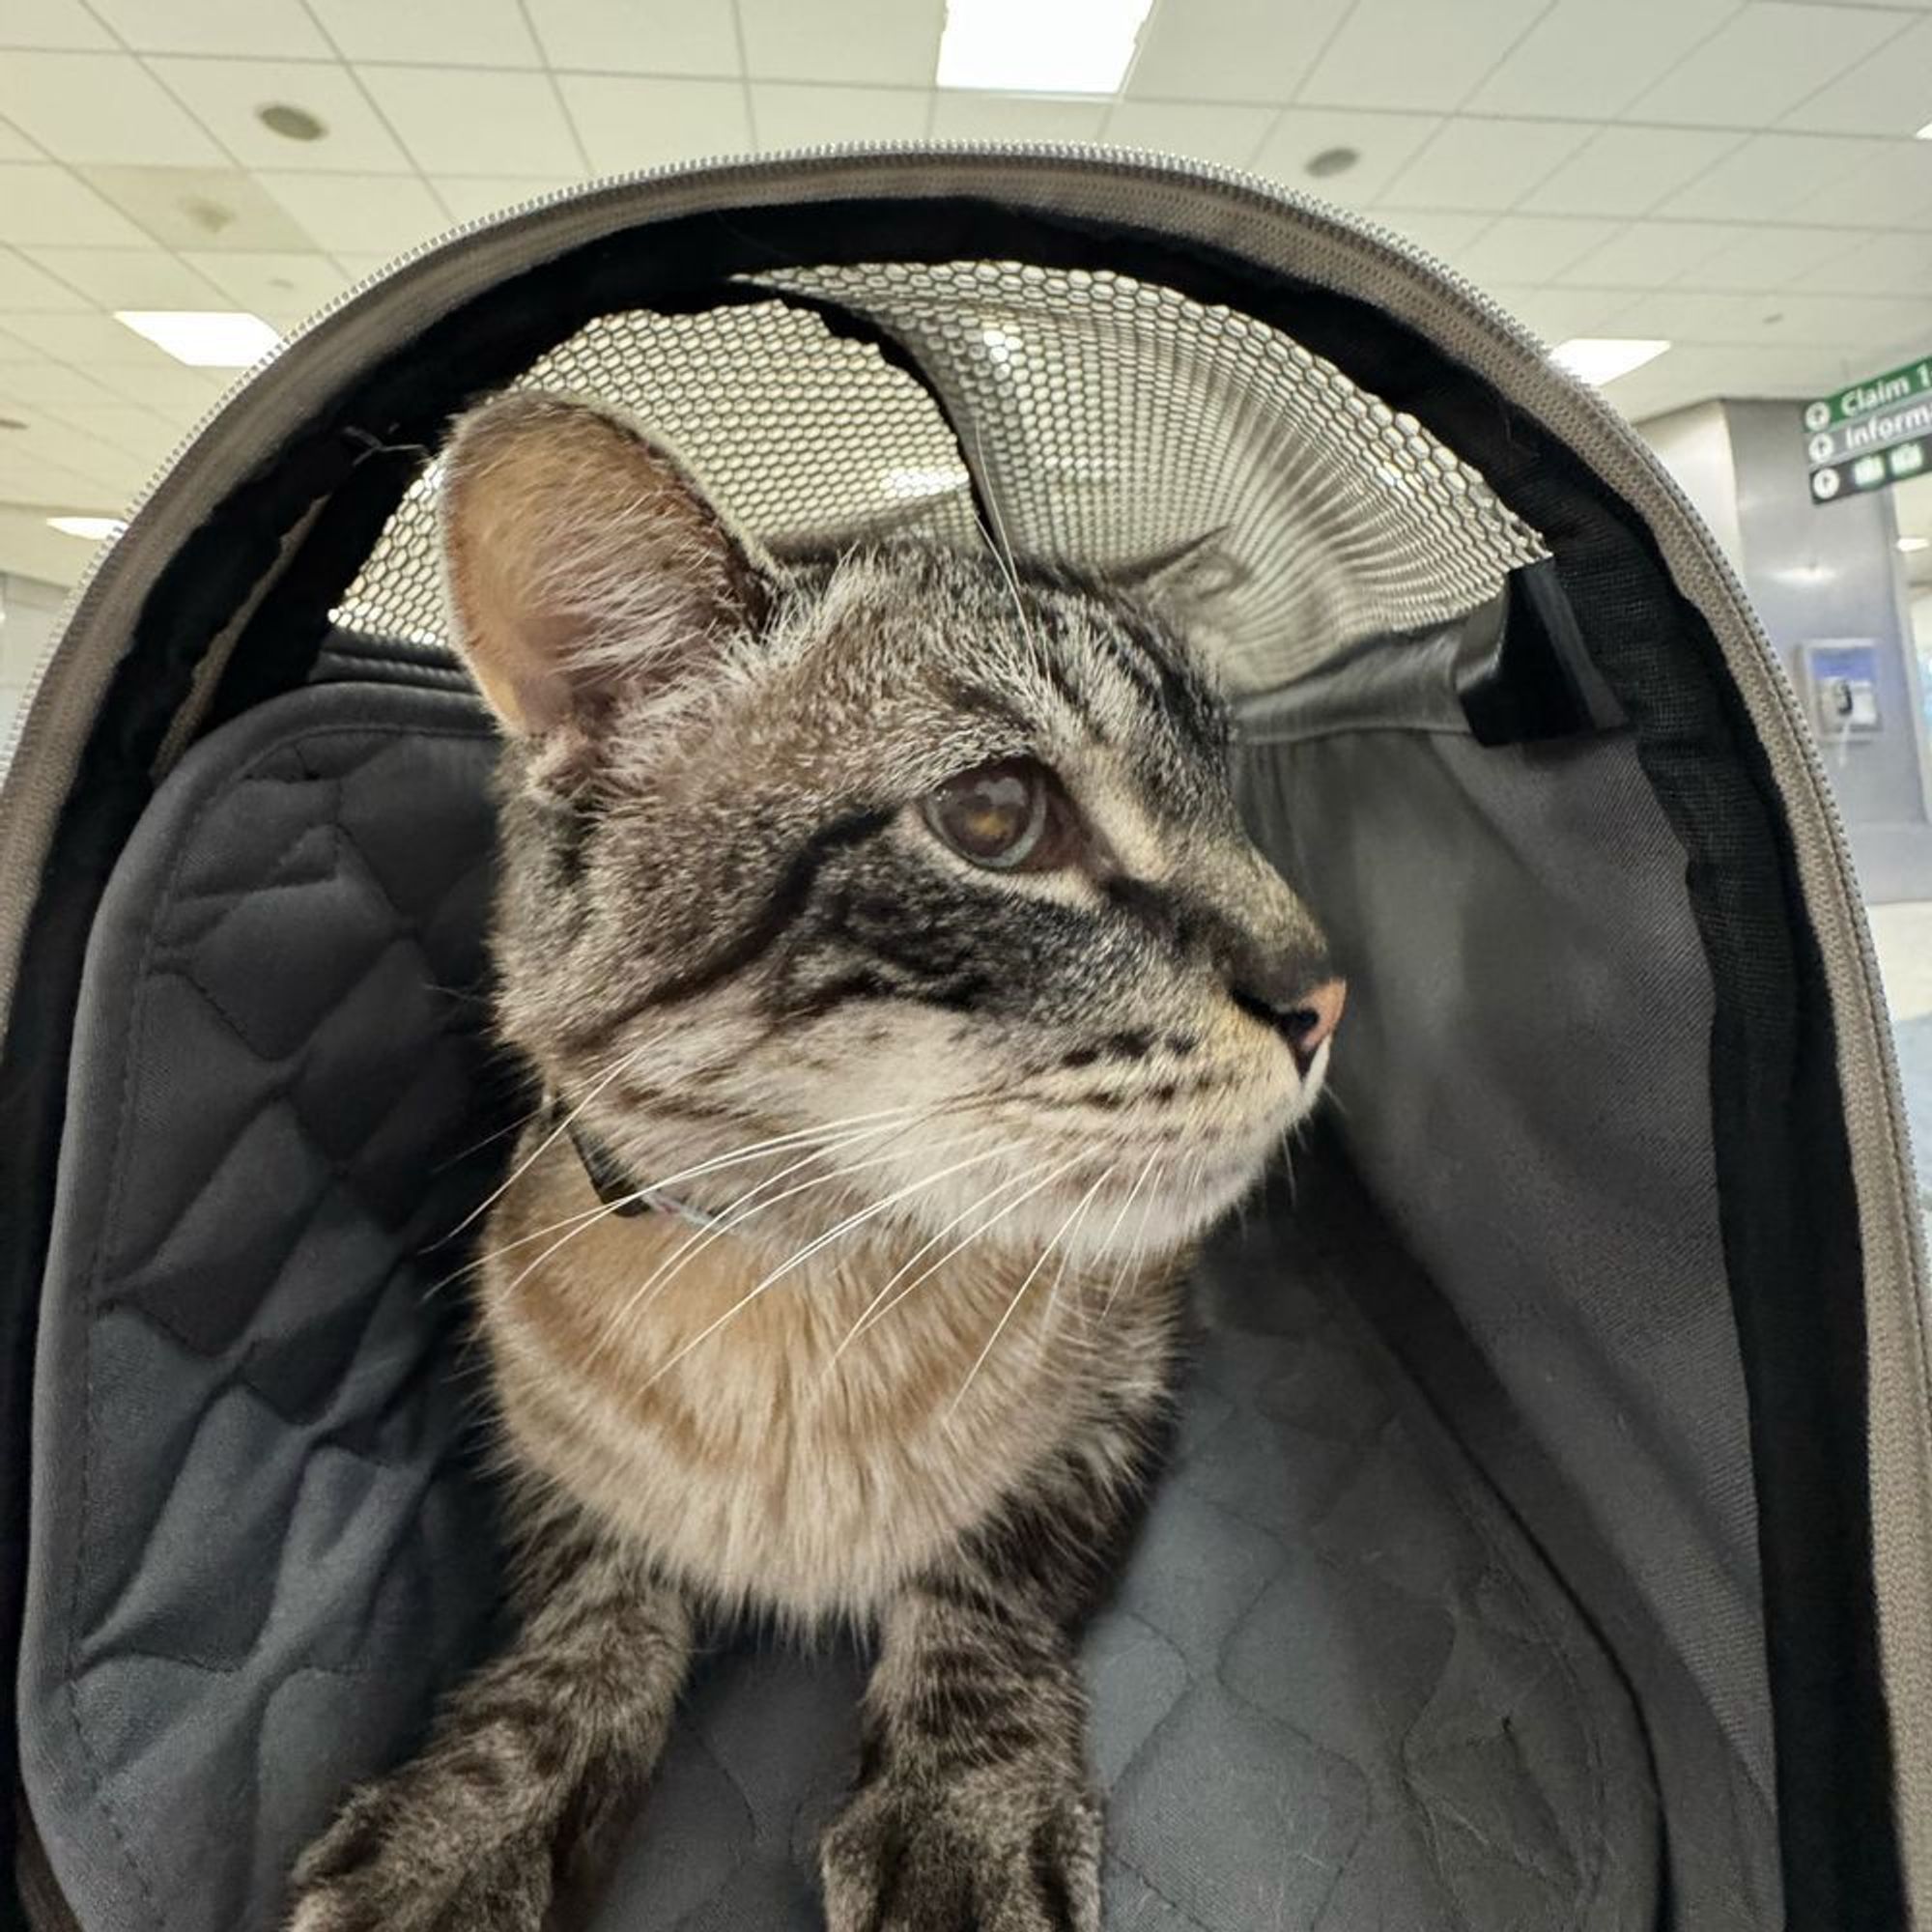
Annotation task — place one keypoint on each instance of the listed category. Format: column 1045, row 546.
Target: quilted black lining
column 1337, row 1690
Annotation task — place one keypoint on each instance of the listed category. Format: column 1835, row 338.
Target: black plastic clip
column 1531, row 677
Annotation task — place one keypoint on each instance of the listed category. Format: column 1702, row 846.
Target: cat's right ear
column 581, row 561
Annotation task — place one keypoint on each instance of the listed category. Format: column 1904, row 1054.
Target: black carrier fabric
column 1336, row 1688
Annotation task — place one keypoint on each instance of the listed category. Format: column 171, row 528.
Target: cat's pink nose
column 1313, row 1017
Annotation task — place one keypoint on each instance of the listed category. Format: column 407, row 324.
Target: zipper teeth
column 1589, row 423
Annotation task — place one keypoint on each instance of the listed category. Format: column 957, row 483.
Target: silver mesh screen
column 1107, row 421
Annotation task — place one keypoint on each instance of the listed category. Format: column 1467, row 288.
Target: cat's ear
column 581, row 560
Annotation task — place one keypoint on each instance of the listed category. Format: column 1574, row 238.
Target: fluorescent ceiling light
column 1915, row 543
column 1925, row 132
column 909, row 484
column 1602, row 358
column 216, row 338
column 1041, row 47
column 92, row 529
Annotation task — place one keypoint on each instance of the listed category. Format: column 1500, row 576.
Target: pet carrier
column 1547, row 1544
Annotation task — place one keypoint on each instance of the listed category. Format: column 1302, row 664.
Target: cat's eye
column 1008, row 816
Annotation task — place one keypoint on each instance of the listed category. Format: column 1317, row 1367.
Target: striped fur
column 962, row 1127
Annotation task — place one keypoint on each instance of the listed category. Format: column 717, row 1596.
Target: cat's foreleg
column 974, row 1805
column 529, row 1765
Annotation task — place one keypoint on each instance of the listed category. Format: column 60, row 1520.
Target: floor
column 1904, row 936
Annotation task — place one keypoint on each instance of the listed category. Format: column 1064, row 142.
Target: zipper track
column 1385, row 268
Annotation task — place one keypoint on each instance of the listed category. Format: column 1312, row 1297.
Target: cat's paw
column 994, row 1851
column 380, row 1869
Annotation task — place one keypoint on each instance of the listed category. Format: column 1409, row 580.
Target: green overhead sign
column 1876, row 392
column 1871, row 434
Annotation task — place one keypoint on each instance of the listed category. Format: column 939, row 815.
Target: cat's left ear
column 583, row 561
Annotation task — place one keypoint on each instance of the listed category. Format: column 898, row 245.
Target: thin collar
column 618, row 1188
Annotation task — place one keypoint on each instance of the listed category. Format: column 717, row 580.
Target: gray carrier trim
column 1275, row 232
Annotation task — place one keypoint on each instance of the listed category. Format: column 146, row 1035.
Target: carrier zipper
column 1490, row 341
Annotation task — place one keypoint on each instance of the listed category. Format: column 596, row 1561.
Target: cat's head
column 928, row 864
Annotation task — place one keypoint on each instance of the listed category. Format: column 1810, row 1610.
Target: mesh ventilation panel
column 1107, row 421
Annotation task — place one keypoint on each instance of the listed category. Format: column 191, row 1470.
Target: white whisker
column 622, row 1063
column 869, row 1319
column 821, row 1138
column 1060, row 1273
column 1019, row 1296
column 1138, row 1249
column 673, row 1265
column 812, row 1247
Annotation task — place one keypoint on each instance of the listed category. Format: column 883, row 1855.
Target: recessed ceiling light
column 1072, row 46
column 1910, row 544
column 219, row 338
column 1602, row 358
column 290, row 122
column 92, row 529
column 1333, row 162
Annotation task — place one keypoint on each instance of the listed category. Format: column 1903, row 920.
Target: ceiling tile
column 1782, row 256
column 51, row 23
column 1558, row 314
column 1762, row 62
column 640, row 37
column 225, row 94
column 1695, row 315
column 1775, row 318
column 1443, row 235
column 1628, row 170
column 1890, row 187
column 626, row 121
column 794, row 114
column 473, row 120
column 1415, row 53
column 892, row 42
column 1197, row 131
column 88, row 340
column 1383, row 141
column 183, row 394
column 1767, row 178
column 193, row 208
column 283, row 289
column 1532, row 248
column 136, row 432
column 482, row 33
column 14, row 145
column 1256, row 50
column 45, row 383
column 99, row 107
column 1648, row 254
column 373, row 214
column 42, row 203
column 1477, row 164
column 962, row 114
column 1888, row 92
column 1568, row 64
column 472, row 197
column 26, row 285
column 214, row 26
column 124, row 277
column 1884, row 265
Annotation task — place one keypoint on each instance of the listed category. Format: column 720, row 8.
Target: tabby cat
column 882, row 923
